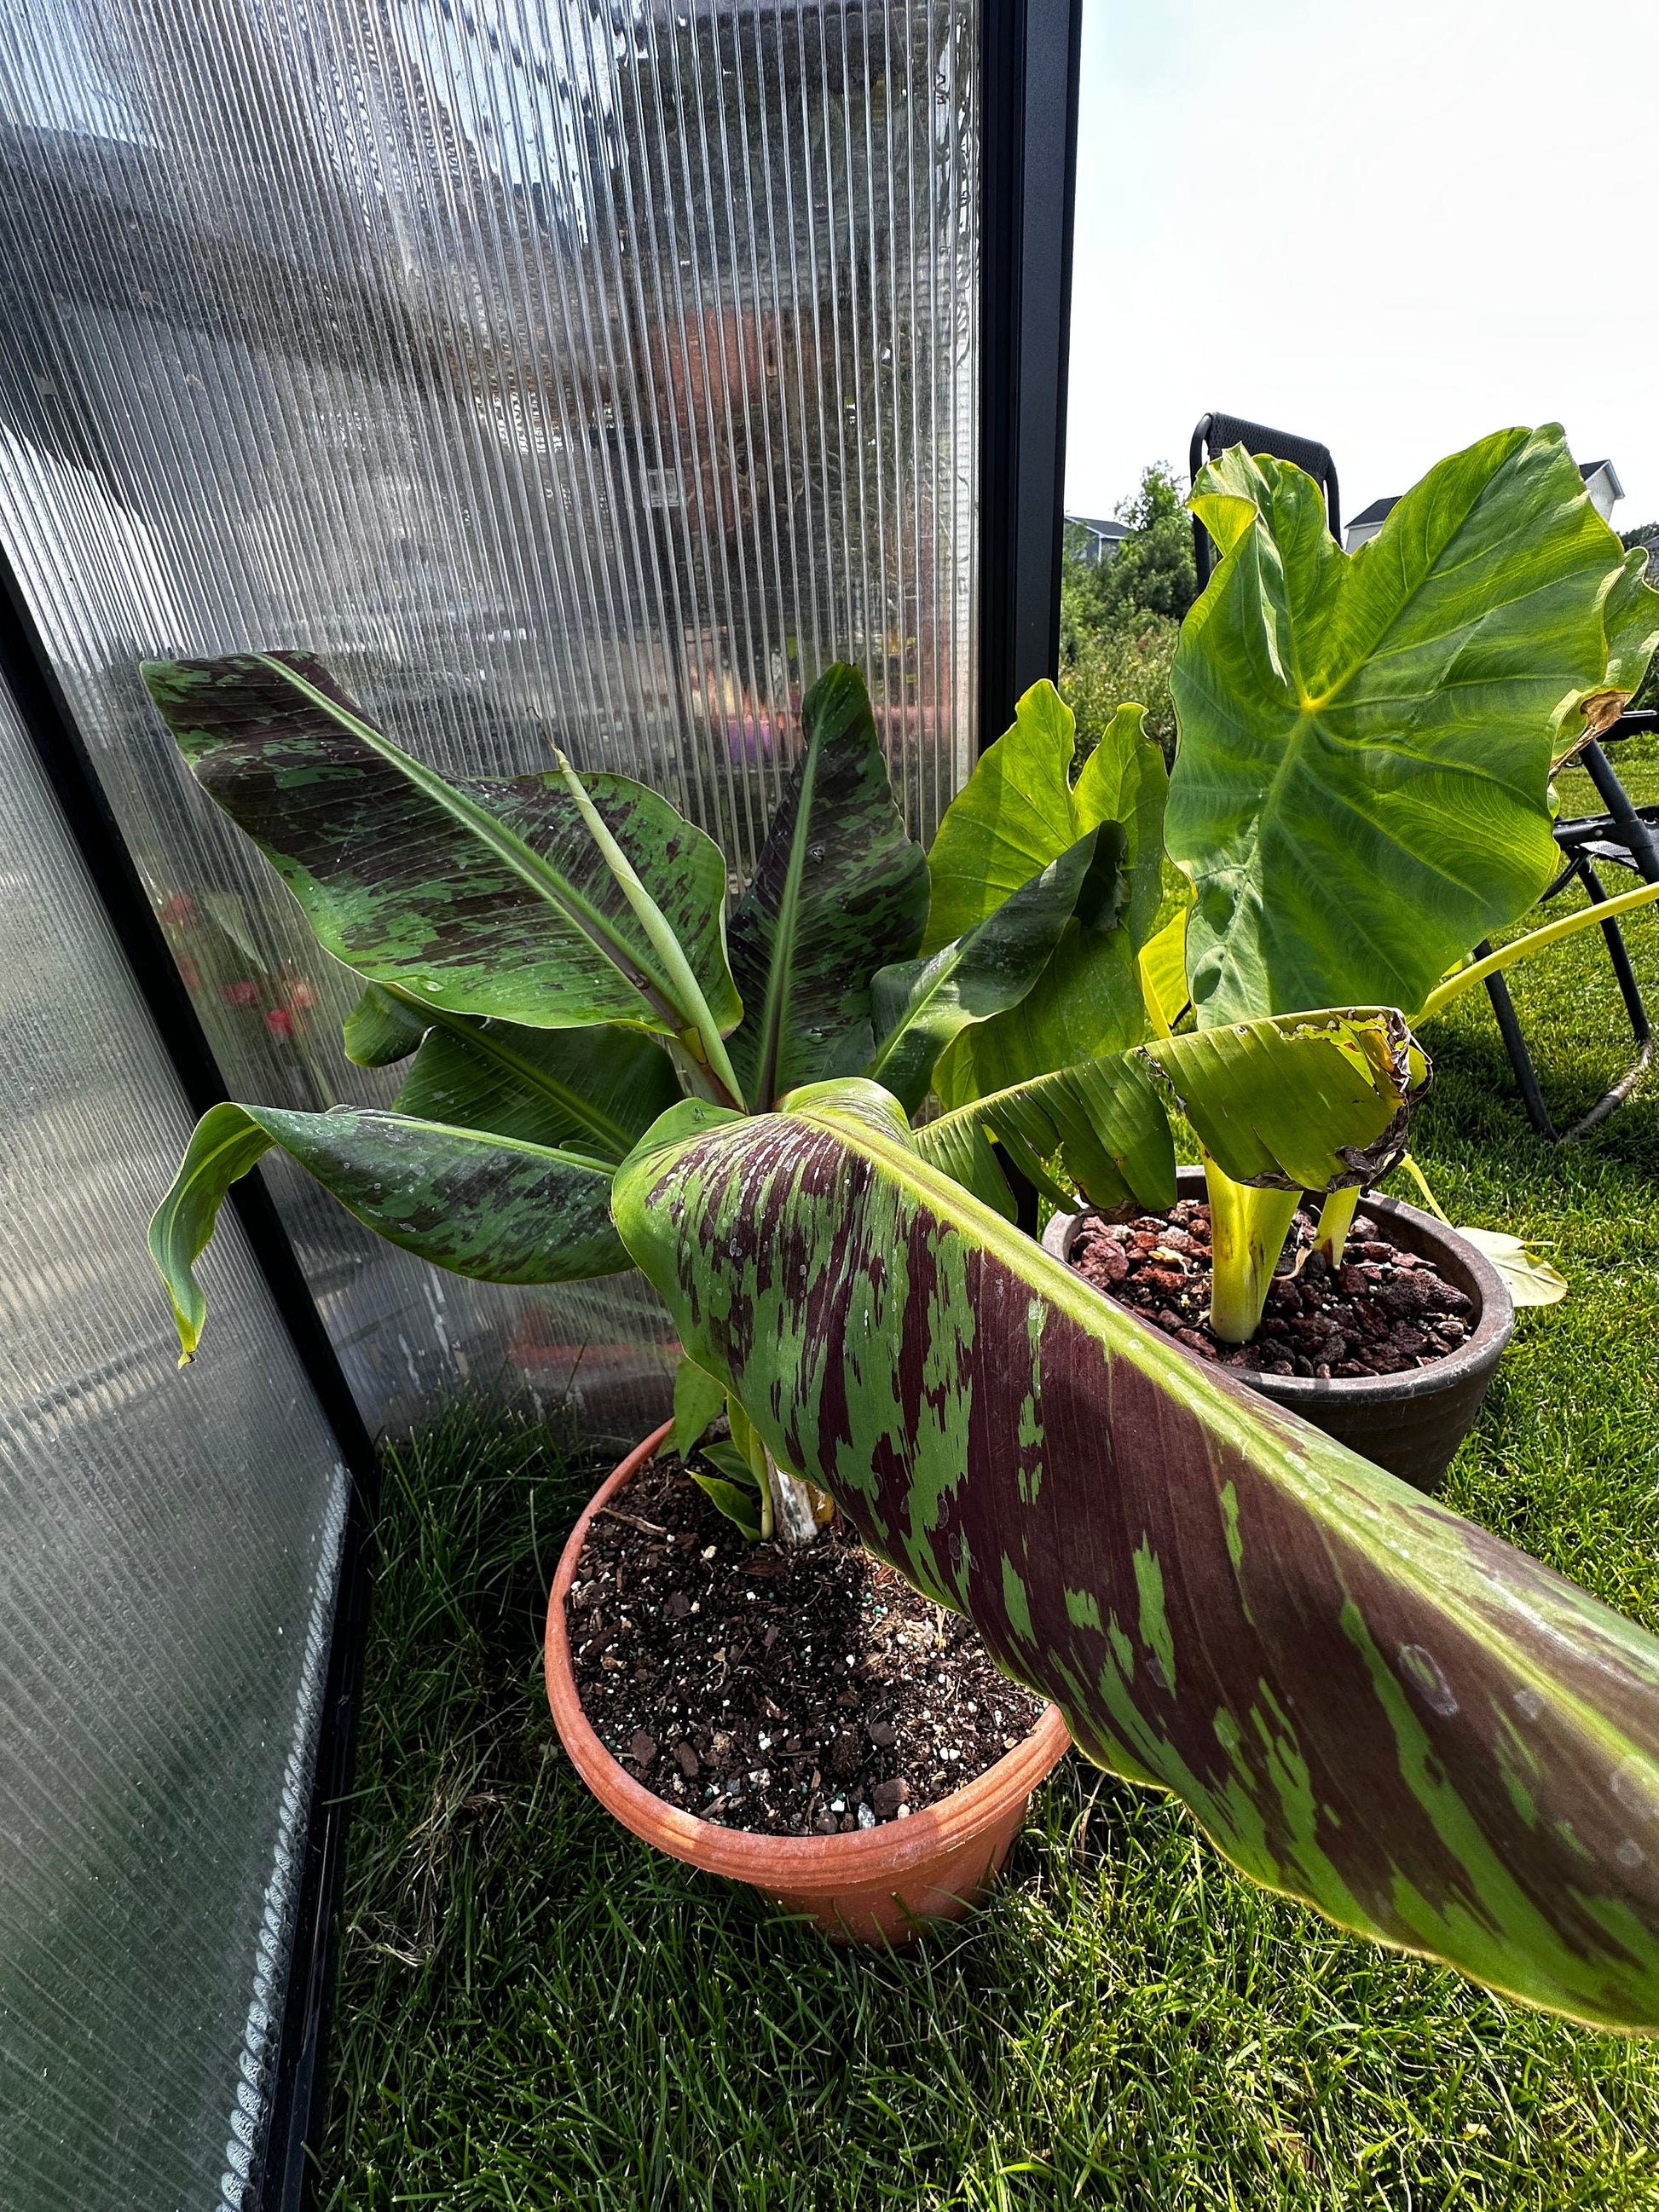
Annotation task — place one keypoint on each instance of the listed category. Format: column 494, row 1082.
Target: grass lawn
column 535, row 2010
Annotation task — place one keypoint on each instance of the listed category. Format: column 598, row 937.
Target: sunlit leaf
column 1361, row 790
column 1366, row 1702
column 1529, row 1280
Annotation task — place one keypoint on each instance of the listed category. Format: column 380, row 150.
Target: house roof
column 1380, row 509
column 1589, row 469
column 1107, row 529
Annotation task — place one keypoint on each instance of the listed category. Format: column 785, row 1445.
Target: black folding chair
column 1215, row 433
column 1626, row 836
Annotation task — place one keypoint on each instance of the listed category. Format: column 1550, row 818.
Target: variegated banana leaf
column 1362, row 791
column 1305, row 1102
column 920, row 1005
column 1366, row 1702
column 840, row 890
column 482, row 895
column 596, row 1090
column 487, row 1206
column 386, row 1026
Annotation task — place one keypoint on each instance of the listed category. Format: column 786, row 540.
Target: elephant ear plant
column 1367, row 1703
column 1361, row 792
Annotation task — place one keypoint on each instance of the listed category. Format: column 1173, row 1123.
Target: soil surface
column 1384, row 1310
column 791, row 1692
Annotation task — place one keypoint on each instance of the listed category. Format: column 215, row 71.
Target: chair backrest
column 1215, row 433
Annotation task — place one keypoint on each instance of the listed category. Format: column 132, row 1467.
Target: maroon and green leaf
column 482, row 894
column 1367, row 1702
column 487, row 1206
column 840, row 890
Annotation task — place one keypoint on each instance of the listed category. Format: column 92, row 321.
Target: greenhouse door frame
column 295, row 2112
column 1030, row 66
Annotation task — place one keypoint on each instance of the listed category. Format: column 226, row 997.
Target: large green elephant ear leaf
column 840, row 890
column 920, row 1005
column 1366, row 1702
column 481, row 1205
column 1015, row 815
column 487, row 896
column 1088, row 999
column 1361, row 792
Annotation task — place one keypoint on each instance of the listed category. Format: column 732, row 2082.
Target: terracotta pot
column 879, row 1885
column 1413, row 1423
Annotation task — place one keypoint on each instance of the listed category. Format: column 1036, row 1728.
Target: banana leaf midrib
column 528, row 866
column 560, row 1155
column 783, row 941
column 1170, row 1368
column 489, row 1047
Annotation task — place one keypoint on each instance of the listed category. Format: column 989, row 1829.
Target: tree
column 1118, row 621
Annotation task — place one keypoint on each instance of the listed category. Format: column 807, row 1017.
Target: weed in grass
column 537, row 2011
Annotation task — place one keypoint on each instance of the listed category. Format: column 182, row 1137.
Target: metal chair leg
column 1618, row 953
column 1509, row 1027
column 1640, row 837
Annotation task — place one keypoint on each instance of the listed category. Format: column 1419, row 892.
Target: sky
column 1392, row 227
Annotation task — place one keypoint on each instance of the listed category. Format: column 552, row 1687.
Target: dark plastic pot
column 1412, row 1424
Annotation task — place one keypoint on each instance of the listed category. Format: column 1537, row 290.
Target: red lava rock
column 688, row 1762
column 881, row 1734
column 887, row 1797
column 641, row 1746
column 1382, row 1311
column 1111, row 1262
column 676, row 1605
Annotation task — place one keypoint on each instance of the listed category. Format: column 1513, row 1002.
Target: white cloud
column 1392, row 227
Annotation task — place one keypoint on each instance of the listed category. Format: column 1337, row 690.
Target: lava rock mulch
column 788, row 1693
column 1384, row 1310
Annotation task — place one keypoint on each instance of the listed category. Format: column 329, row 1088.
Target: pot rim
column 834, row 1863
column 1479, row 1350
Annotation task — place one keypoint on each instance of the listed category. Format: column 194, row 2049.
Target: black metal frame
column 1030, row 56
column 1626, row 835
column 294, row 2111
column 1216, row 432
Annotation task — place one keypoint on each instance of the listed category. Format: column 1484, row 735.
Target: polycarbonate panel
column 168, row 1548
column 586, row 373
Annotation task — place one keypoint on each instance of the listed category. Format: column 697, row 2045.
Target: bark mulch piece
column 1384, row 1310
column 788, row 1692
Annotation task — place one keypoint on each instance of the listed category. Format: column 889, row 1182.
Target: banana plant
column 550, row 955
column 1211, row 1591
